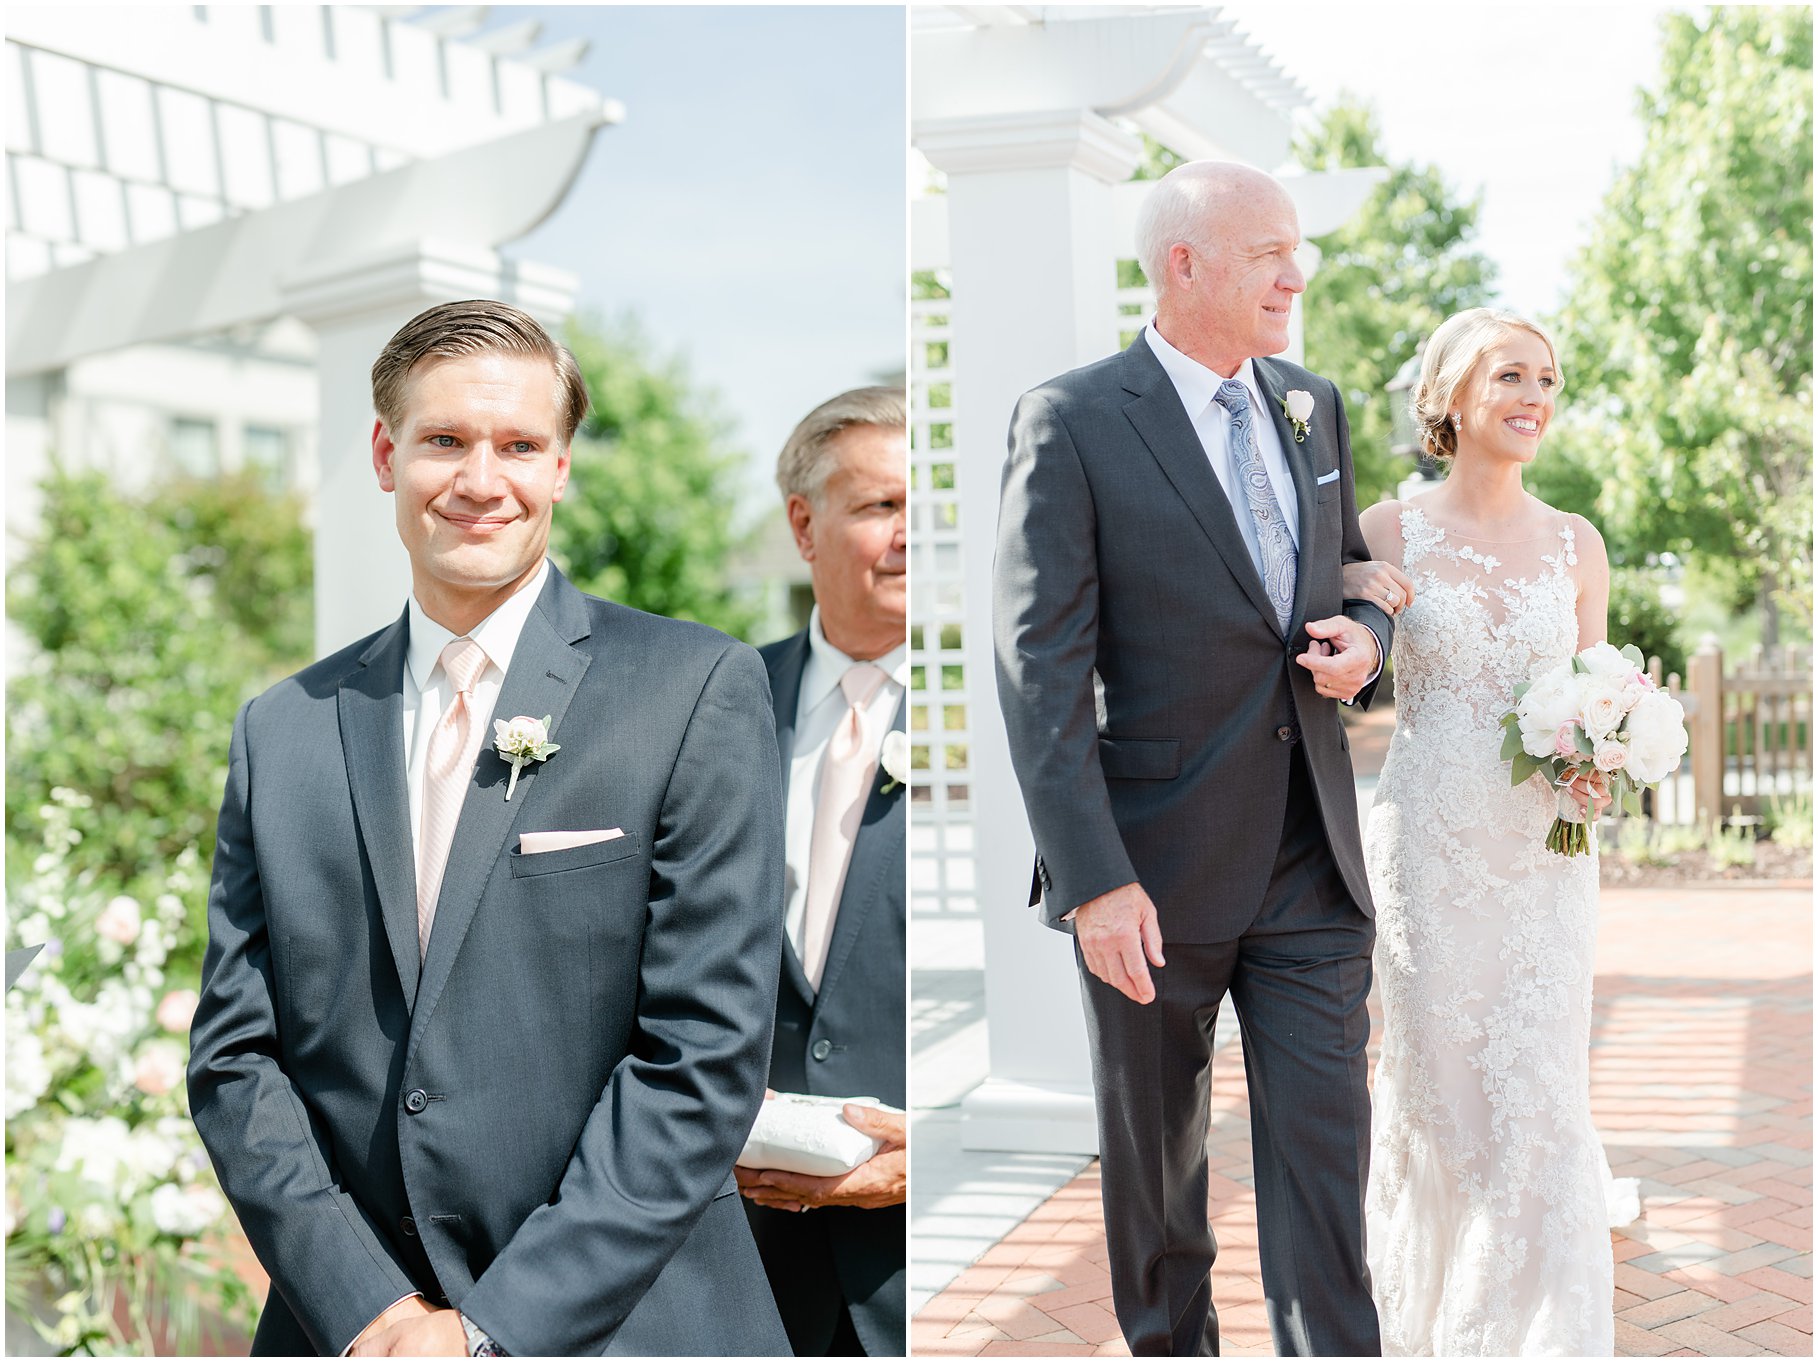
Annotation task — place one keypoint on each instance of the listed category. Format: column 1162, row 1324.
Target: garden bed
column 1773, row 863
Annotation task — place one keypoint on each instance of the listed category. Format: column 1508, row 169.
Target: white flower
column 1601, row 708
column 1611, row 755
column 1550, row 703
column 177, row 1009
column 1657, row 737
column 159, row 1069
column 92, row 1148
column 151, row 1154
column 119, row 921
column 894, row 757
column 28, row 1077
column 1603, row 659
column 520, row 740
column 1300, row 405
column 186, row 1211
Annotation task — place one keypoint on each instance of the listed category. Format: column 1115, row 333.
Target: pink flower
column 1565, row 741
column 1611, row 756
column 177, row 1009
column 160, row 1068
column 119, row 921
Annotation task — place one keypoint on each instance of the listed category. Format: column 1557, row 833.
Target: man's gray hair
column 805, row 464
column 1180, row 208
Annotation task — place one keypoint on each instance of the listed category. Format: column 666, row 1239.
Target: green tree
column 150, row 620
column 1402, row 264
column 649, row 518
column 1688, row 335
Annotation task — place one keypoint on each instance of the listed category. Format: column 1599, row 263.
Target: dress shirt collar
column 827, row 664
column 497, row 633
column 1196, row 384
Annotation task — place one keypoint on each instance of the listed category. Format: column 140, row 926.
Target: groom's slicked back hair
column 805, row 464
column 476, row 327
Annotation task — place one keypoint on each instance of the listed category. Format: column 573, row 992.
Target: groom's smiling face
column 477, row 463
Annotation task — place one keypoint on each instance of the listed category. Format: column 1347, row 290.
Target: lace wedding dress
column 1490, row 1199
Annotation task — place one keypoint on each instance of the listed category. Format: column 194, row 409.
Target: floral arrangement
column 114, row 1220
column 1598, row 722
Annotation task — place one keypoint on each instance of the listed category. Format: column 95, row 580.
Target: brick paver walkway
column 1701, row 1074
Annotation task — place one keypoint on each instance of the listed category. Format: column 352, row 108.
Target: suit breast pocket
column 574, row 858
column 1326, row 491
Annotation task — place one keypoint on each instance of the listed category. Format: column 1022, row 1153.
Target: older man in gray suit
column 495, row 923
column 1172, row 643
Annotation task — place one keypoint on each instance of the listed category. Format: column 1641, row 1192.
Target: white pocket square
column 1330, row 477
column 530, row 843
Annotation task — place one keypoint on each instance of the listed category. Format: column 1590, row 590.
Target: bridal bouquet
column 1599, row 714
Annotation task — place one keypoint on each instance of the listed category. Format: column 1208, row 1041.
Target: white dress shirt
column 819, row 707
column 426, row 688
column 1198, row 386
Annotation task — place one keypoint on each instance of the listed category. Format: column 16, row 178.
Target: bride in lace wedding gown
column 1487, row 1223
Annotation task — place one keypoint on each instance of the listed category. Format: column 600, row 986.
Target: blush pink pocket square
column 530, row 843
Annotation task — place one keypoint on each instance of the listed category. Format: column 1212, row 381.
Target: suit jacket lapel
column 1300, row 467
column 371, row 708
column 545, row 672
column 880, row 834
column 1163, row 424
column 786, row 667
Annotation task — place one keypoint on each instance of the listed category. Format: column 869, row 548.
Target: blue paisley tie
column 1270, row 543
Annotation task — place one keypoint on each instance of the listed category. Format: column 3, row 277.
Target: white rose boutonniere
column 894, row 758
column 1297, row 406
column 522, row 740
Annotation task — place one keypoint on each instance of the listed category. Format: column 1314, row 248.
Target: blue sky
column 749, row 210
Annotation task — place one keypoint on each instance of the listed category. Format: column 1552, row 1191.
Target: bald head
column 1216, row 241
column 1194, row 205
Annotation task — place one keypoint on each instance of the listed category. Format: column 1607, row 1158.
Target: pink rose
column 1611, row 756
column 160, row 1068
column 177, row 1009
column 1565, row 741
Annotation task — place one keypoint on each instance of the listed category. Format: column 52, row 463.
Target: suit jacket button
column 415, row 1100
column 822, row 1048
column 1284, row 733
column 409, row 1227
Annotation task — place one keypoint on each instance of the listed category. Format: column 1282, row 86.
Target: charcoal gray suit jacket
column 1149, row 695
column 538, row 1123
column 846, row 1040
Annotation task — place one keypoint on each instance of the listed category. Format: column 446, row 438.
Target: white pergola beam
column 510, row 40
column 462, row 21
column 238, row 271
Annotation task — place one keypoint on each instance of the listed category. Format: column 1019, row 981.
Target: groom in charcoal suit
column 1172, row 640
column 835, row 1247
column 473, row 1059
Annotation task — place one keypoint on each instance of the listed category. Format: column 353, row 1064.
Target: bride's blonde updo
column 1453, row 352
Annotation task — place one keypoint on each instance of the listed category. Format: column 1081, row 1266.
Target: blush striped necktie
column 846, row 770
column 447, row 773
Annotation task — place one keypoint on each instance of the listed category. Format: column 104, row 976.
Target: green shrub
column 1789, row 820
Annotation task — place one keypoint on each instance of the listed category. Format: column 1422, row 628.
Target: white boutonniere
column 522, row 740
column 894, row 758
column 1297, row 406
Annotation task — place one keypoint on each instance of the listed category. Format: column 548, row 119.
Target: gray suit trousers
column 1299, row 976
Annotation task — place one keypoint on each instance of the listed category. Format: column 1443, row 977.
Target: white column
column 355, row 306
column 1034, row 285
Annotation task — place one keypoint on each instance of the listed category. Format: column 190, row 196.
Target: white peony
column 119, row 921
column 1657, row 737
column 1600, row 707
column 1549, row 703
column 1604, row 659
column 186, row 1211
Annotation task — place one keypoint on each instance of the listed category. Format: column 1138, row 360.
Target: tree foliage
column 1688, row 335
column 649, row 518
column 1402, row 264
